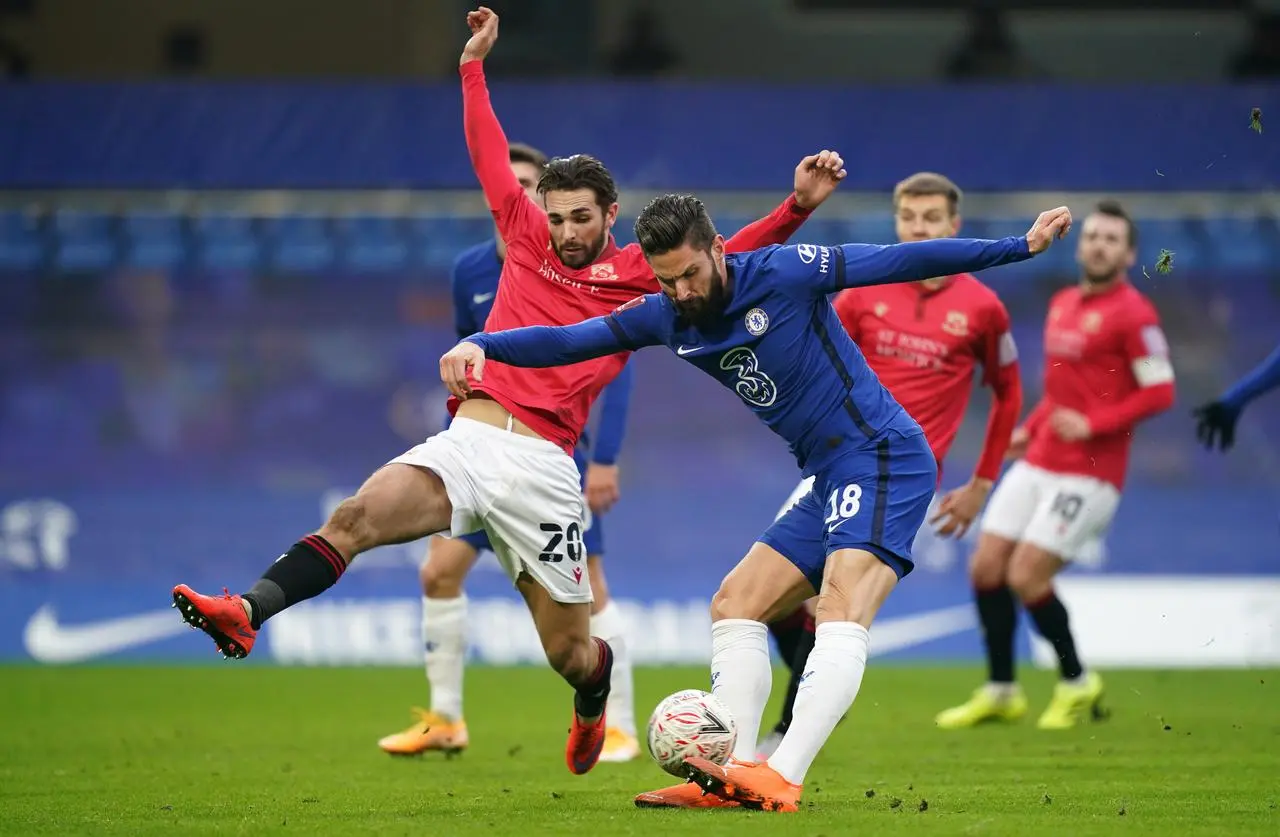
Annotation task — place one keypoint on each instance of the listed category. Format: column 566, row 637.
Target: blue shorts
column 873, row 498
column 592, row 538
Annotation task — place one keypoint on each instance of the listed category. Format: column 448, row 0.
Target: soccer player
column 505, row 463
column 1216, row 421
column 1106, row 370
column 761, row 325
column 924, row 340
column 444, row 605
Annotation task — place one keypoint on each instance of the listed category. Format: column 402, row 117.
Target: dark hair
column 581, row 171
column 672, row 220
column 925, row 183
column 521, row 153
column 1114, row 209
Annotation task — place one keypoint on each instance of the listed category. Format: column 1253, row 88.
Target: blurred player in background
column 1216, row 421
column 924, row 340
column 505, row 463
column 444, row 605
column 1107, row 369
column 761, row 325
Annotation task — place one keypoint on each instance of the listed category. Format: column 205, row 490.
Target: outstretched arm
column 1260, row 380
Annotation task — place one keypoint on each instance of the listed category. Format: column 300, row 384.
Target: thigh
column 1073, row 512
column 797, row 536
column 561, row 626
column 765, row 586
column 536, row 523
column 876, row 499
column 456, row 460
column 396, row 504
column 1013, row 503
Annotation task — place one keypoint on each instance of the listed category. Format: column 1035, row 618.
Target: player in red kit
column 1107, row 369
column 924, row 340
column 505, row 464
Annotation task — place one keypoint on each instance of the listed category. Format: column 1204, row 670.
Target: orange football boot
column 752, row 785
column 687, row 795
column 431, row 732
column 585, row 743
column 223, row 619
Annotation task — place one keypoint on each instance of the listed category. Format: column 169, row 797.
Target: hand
column 454, row 365
column 483, row 23
column 1216, row 425
column 1018, row 443
column 1070, row 425
column 817, row 177
column 602, row 487
column 1054, row 223
column 960, row 506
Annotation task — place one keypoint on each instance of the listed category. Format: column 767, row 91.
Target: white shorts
column 805, row 486
column 523, row 491
column 1064, row 514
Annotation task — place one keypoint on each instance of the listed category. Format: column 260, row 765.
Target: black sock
column 310, row 567
column 589, row 698
column 998, row 611
column 787, row 633
column 1051, row 621
column 807, row 637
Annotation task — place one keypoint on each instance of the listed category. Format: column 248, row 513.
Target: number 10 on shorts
column 842, row 505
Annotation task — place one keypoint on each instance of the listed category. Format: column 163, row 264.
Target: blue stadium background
column 221, row 307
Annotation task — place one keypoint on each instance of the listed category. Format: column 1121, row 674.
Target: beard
column 704, row 311
column 582, row 254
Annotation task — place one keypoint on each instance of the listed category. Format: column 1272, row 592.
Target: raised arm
column 815, row 179
column 487, row 144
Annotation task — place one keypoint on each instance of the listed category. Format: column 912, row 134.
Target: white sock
column 741, row 676
column 444, row 638
column 611, row 626
column 827, row 689
column 1002, row 691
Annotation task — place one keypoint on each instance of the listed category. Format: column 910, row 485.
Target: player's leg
column 608, row 623
column 1010, row 510
column 444, row 639
column 400, row 502
column 1073, row 512
column 875, row 503
column 536, row 528
column 766, row 583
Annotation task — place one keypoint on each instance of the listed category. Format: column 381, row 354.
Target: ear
column 610, row 215
column 717, row 247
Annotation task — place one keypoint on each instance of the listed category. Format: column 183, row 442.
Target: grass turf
column 243, row 749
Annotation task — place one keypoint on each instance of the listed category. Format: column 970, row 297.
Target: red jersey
column 536, row 288
column 924, row 345
column 1105, row 356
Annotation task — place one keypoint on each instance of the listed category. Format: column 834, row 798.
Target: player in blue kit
column 443, row 727
column 1216, row 421
column 761, row 325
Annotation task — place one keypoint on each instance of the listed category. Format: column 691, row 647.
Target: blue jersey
column 1259, row 380
column 779, row 344
column 476, row 272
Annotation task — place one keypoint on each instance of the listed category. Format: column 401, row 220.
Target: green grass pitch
column 242, row 749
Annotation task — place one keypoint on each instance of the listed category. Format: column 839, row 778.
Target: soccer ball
column 690, row 723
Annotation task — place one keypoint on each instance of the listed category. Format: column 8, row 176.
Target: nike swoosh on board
column 901, row 632
column 50, row 642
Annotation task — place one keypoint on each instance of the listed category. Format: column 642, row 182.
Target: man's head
column 527, row 164
column 925, row 206
column 1108, row 243
column 686, row 254
column 581, row 200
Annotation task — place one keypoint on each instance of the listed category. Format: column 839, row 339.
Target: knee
column 349, row 524
column 440, row 578
column 854, row 586
column 732, row 601
column 1029, row 579
column 989, row 565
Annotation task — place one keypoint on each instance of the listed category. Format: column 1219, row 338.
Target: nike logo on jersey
column 686, row 350
column 481, row 299
column 50, row 642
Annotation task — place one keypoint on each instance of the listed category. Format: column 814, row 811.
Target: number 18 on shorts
column 873, row 498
